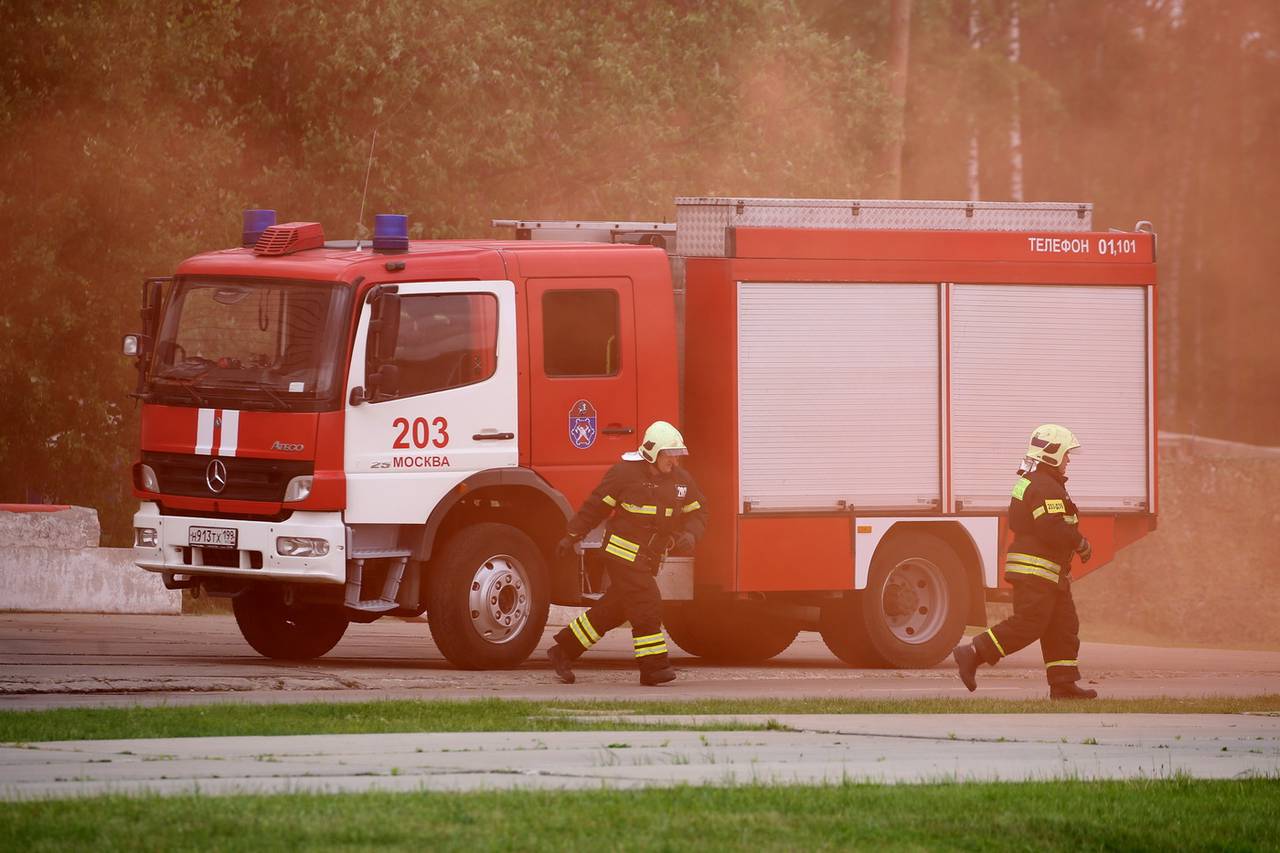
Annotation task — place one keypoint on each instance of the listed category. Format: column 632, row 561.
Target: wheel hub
column 915, row 600
column 499, row 599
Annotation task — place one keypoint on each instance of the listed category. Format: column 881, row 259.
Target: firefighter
column 654, row 508
column 1046, row 535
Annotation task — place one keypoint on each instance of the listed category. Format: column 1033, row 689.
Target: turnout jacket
column 646, row 507
column 1045, row 525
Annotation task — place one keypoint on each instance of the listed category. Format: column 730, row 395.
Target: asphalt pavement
column 51, row 660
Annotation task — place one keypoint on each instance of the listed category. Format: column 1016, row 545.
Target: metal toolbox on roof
column 702, row 221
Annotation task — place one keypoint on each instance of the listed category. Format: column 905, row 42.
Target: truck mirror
column 152, row 300
column 384, row 328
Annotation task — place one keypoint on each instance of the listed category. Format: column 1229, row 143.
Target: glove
column 564, row 548
column 1084, row 549
column 684, row 544
column 660, row 544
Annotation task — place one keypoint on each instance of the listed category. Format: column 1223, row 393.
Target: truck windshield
column 271, row 344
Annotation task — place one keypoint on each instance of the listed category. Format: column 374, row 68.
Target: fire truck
column 337, row 431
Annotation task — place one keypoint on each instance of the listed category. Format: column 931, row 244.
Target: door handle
column 617, row 429
column 493, row 436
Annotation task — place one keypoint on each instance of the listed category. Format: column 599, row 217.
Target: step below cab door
column 583, row 376
column 451, row 409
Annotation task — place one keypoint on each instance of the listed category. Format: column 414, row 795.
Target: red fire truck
column 333, row 432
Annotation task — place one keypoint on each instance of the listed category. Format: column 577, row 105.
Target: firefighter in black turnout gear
column 1046, row 535
column 655, row 508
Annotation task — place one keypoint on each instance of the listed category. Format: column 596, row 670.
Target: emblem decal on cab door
column 582, row 424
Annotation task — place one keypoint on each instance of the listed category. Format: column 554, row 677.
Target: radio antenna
column 365, row 194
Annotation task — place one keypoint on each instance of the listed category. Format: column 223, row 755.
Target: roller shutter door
column 1025, row 355
column 838, row 396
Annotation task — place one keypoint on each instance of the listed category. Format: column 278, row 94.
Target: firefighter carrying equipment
column 649, row 513
column 662, row 437
column 1049, row 443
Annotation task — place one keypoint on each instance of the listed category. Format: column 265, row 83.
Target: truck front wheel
column 912, row 612
column 488, row 597
column 287, row 631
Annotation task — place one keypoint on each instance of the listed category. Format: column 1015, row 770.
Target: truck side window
column 580, row 332
column 446, row 340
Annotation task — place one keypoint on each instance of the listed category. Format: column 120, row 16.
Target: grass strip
column 1181, row 814
column 216, row 720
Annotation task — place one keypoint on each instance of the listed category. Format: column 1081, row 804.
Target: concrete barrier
column 50, row 561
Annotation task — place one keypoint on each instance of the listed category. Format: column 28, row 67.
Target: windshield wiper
column 249, row 386
column 185, row 386
column 281, row 401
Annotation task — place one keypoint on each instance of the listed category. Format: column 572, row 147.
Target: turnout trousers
column 633, row 597
column 1044, row 611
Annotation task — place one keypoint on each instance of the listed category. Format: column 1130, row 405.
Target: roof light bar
column 391, row 232
column 255, row 222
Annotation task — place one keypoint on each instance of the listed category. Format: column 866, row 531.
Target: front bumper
column 256, row 545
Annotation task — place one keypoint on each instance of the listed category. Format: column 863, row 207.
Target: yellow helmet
column 1050, row 442
column 662, row 437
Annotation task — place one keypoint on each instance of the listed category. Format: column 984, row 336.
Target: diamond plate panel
column 701, row 221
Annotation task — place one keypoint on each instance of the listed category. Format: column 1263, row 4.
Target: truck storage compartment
column 838, row 396
column 1022, row 355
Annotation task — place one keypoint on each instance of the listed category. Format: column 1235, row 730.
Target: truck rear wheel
column 912, row 613
column 286, row 631
column 488, row 597
column 729, row 633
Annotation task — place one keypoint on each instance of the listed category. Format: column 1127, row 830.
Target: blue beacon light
column 255, row 222
column 391, row 232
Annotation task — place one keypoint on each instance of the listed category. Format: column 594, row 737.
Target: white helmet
column 1050, row 442
column 662, row 437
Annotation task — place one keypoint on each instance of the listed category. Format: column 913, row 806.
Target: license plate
column 212, row 537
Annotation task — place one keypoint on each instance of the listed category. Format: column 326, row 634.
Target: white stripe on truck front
column 210, row 439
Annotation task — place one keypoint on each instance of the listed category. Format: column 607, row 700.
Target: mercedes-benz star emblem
column 215, row 476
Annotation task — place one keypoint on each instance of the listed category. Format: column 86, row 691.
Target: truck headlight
column 299, row 489
column 147, row 480
column 145, row 537
column 301, row 546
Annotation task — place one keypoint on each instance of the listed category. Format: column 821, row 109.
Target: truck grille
column 247, row 479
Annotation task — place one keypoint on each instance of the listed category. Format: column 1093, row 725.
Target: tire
column 913, row 611
column 845, row 633
column 488, row 597
column 730, row 633
column 287, row 632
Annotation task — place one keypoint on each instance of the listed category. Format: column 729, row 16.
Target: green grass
column 1176, row 814
column 522, row 715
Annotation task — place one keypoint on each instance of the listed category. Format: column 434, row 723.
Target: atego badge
column 582, row 424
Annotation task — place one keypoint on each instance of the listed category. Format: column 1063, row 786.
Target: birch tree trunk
column 975, row 42
column 1015, row 118
column 900, row 24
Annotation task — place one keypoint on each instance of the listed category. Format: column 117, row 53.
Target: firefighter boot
column 1071, row 690
column 560, row 660
column 967, row 660
column 655, row 670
